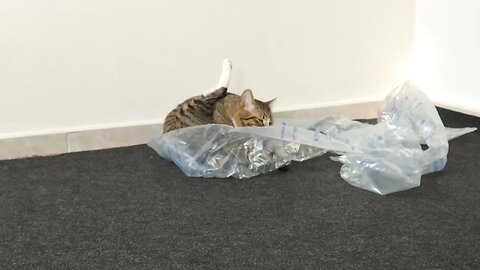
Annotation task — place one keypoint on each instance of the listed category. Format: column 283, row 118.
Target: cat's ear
column 270, row 102
column 247, row 100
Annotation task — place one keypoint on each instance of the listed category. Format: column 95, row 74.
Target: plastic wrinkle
column 383, row 158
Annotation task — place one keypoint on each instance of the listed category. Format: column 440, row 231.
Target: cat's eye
column 254, row 121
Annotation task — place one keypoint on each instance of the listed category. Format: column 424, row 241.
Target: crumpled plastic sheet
column 383, row 158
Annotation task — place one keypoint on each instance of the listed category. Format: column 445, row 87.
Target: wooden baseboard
column 86, row 140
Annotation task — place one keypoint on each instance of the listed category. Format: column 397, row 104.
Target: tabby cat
column 220, row 107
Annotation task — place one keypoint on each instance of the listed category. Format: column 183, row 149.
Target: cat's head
column 252, row 112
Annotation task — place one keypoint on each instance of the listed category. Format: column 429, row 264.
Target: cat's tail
column 224, row 79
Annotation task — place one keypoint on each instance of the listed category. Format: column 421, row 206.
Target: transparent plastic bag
column 383, row 158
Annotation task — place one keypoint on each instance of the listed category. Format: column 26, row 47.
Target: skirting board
column 54, row 144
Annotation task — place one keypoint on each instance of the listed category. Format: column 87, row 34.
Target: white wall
column 69, row 65
column 446, row 62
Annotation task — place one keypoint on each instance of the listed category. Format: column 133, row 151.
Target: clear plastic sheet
column 383, row 158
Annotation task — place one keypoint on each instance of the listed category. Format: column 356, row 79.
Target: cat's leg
column 224, row 79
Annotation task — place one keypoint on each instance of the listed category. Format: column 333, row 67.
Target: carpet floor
column 128, row 208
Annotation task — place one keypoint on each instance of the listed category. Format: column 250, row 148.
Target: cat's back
column 194, row 111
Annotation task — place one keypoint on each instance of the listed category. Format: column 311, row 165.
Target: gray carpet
column 128, row 208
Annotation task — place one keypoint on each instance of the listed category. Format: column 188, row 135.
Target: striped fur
column 220, row 107
column 193, row 111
